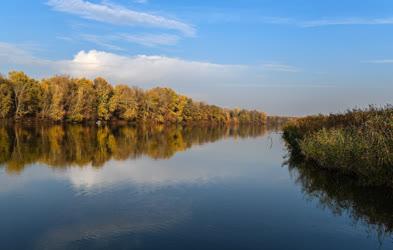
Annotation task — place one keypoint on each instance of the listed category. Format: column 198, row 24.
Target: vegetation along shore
column 357, row 143
column 62, row 98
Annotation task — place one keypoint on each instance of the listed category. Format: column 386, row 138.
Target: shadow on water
column 61, row 146
column 345, row 195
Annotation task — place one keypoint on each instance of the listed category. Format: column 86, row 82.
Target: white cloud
column 144, row 69
column 141, row 172
column 227, row 85
column 120, row 15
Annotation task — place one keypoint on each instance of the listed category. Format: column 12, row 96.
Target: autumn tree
column 123, row 103
column 6, row 98
column 165, row 105
column 83, row 106
column 191, row 111
column 26, row 93
column 61, row 98
column 104, row 93
column 56, row 97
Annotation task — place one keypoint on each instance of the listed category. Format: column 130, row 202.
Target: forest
column 66, row 99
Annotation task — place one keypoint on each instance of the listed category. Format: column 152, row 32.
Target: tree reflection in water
column 61, row 146
column 343, row 194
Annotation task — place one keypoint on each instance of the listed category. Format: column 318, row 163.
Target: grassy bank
column 358, row 143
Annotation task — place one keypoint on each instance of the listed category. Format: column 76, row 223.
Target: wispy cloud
column 145, row 39
column 152, row 40
column 65, row 38
column 317, row 22
column 100, row 41
column 120, row 15
column 18, row 55
column 381, row 61
column 347, row 21
column 279, row 67
column 328, row 22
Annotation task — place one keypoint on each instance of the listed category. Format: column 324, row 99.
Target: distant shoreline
column 80, row 100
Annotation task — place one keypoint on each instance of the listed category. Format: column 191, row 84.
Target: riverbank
column 357, row 143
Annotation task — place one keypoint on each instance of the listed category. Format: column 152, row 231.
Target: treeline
column 65, row 145
column 357, row 143
column 62, row 98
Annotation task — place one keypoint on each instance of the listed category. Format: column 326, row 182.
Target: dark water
column 81, row 187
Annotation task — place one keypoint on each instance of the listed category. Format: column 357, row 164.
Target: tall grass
column 358, row 142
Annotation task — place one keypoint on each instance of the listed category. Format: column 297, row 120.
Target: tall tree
column 165, row 106
column 6, row 98
column 27, row 94
column 57, row 95
column 84, row 102
column 124, row 103
column 104, row 93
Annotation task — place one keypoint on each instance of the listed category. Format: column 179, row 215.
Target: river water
column 80, row 187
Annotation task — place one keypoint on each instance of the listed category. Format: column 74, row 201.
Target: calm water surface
column 81, row 187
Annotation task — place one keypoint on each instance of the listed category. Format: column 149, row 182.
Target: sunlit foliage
column 6, row 98
column 26, row 94
column 61, row 98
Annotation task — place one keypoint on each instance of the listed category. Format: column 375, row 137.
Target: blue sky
column 286, row 57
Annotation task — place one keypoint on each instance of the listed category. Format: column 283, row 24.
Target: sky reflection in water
column 125, row 188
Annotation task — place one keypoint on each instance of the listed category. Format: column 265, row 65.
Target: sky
column 285, row 57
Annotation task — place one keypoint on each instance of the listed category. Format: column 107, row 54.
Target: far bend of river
column 79, row 187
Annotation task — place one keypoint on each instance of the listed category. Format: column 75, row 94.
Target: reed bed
column 358, row 142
